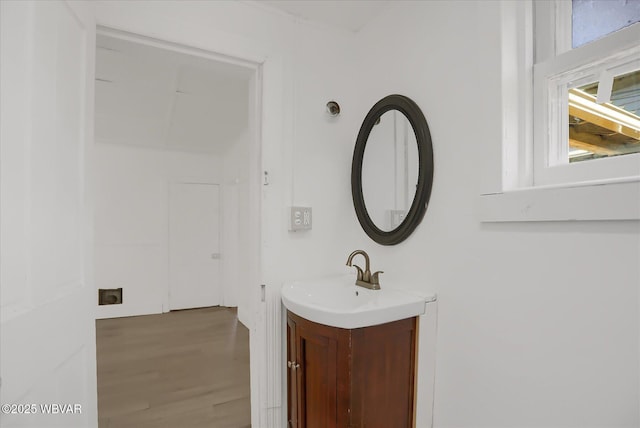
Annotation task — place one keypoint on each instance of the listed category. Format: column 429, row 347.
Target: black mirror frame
column 425, row 169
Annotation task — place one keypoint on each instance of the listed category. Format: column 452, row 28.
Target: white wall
column 537, row 322
column 131, row 221
column 47, row 330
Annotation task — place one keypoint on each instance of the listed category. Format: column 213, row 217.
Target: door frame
column 265, row 68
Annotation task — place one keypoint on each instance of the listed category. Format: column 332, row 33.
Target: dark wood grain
column 351, row 378
column 321, row 375
column 384, row 374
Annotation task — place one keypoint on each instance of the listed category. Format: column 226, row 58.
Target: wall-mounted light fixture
column 333, row 108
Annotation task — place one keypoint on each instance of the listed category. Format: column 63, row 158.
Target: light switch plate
column 300, row 219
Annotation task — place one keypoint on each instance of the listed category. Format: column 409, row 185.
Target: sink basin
column 336, row 301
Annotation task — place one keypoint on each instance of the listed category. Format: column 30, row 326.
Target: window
column 569, row 74
column 607, row 128
column 586, row 91
column 591, row 20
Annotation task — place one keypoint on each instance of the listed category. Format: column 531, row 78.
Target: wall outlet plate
column 300, row 219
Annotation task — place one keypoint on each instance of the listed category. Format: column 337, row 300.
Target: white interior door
column 194, row 245
column 47, row 298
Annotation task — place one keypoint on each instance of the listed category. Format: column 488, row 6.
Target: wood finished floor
column 175, row 370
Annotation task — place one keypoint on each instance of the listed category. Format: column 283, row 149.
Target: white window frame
column 559, row 68
column 533, row 184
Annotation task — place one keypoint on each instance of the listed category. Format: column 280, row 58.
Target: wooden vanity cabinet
column 350, row 378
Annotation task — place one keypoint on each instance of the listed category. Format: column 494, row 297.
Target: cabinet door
column 322, row 378
column 384, row 375
column 317, row 358
column 292, row 388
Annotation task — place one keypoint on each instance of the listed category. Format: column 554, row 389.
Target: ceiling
column 146, row 96
column 347, row 14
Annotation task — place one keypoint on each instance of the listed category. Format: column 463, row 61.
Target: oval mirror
column 392, row 170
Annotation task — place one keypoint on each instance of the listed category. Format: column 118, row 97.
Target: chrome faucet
column 365, row 278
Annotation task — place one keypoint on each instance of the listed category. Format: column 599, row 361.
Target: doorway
column 177, row 157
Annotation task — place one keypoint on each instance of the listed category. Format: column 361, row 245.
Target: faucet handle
column 360, row 272
column 374, row 278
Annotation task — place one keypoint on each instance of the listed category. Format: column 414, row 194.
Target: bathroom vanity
column 361, row 377
column 351, row 353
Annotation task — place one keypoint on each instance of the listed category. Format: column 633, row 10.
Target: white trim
column 552, row 79
column 597, row 52
column 243, row 61
column 553, row 22
column 563, row 32
column 258, row 364
column 543, row 14
column 587, row 202
column 517, row 94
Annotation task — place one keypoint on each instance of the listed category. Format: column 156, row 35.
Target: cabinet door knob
column 293, row 365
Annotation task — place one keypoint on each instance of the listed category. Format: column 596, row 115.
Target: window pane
column 626, row 92
column 608, row 129
column 593, row 19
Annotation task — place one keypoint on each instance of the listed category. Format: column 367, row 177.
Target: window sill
column 580, row 202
